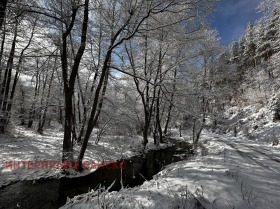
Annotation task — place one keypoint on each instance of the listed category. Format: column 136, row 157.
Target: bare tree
column 3, row 5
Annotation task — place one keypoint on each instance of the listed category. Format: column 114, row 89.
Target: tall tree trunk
column 22, row 107
column 97, row 105
column 1, row 53
column 157, row 95
column 82, row 117
column 85, row 105
column 67, row 141
column 155, row 135
column 16, row 77
column 5, row 87
column 43, row 118
column 146, row 129
column 168, row 118
column 32, row 110
column 9, row 107
column 3, row 5
column 69, row 84
column 158, row 121
column 74, row 125
column 8, row 73
column 36, row 93
column 146, row 98
column 45, row 81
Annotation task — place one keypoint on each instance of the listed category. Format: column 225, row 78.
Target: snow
column 229, row 172
column 222, row 179
column 26, row 145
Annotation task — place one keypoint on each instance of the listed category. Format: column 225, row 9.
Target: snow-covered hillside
column 230, row 175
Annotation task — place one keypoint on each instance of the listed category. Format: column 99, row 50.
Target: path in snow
column 253, row 155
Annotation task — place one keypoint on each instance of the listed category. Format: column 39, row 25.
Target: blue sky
column 232, row 16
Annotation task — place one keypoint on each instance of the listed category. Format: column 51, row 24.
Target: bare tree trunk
column 1, row 53
column 8, row 73
column 69, row 84
column 158, row 121
column 155, row 135
column 74, row 125
column 45, row 81
column 43, row 118
column 3, row 5
column 82, row 117
column 146, row 129
column 5, row 88
column 9, row 107
column 170, row 104
column 159, row 77
column 16, row 77
column 97, row 105
column 147, row 100
column 60, row 110
column 180, row 130
column 22, row 109
column 36, row 93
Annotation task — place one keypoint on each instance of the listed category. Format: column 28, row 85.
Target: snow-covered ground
column 26, row 145
column 235, row 173
column 230, row 172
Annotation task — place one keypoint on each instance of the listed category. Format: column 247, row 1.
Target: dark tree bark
column 3, row 5
column 8, row 72
column 5, row 87
column 43, row 117
column 40, row 114
column 147, row 99
column 1, row 53
column 82, row 116
column 99, row 91
column 159, row 77
column 168, row 118
column 36, row 93
column 69, row 84
column 68, row 94
column 16, row 77
column 97, row 105
column 22, row 107
column 158, row 121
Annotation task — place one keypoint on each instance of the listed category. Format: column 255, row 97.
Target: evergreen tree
column 249, row 46
column 234, row 48
column 273, row 31
column 261, row 45
column 268, row 43
column 241, row 50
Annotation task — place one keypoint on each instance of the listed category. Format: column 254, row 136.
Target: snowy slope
column 223, row 179
column 26, row 145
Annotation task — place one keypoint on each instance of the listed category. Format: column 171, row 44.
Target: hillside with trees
column 71, row 65
column 110, row 80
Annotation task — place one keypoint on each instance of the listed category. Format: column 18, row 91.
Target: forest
column 107, row 80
